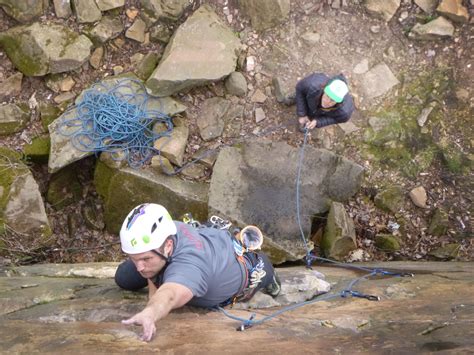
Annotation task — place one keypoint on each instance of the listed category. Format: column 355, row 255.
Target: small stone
column 137, row 31
column 136, row 58
column 131, row 13
column 258, row 97
column 259, row 114
column 11, row 87
column 67, row 96
column 67, row 84
column 418, row 196
column 375, row 29
column 362, row 67
column 163, row 164
column 250, row 64
column 423, row 117
column 96, row 57
column 118, row 69
column 403, row 15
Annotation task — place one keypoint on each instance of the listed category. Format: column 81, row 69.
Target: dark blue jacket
column 308, row 101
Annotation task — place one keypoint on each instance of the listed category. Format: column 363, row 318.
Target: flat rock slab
column 430, row 312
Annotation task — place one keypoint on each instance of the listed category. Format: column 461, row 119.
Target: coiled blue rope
column 115, row 118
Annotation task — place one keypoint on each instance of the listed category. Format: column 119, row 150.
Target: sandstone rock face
column 255, row 184
column 265, row 13
column 73, row 309
column 40, row 49
column 24, row 10
column 189, row 61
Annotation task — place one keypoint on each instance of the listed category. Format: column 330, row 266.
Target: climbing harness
column 347, row 292
column 115, row 118
column 245, row 243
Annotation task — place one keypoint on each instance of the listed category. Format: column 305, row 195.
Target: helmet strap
column 166, row 259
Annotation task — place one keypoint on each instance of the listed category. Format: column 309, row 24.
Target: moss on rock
column 390, row 199
column 439, row 223
column 38, row 149
column 48, row 113
column 12, row 166
column 387, row 242
column 399, row 142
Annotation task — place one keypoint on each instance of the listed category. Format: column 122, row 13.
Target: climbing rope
column 115, row 118
column 347, row 292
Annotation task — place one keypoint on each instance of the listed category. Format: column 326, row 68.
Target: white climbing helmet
column 146, row 228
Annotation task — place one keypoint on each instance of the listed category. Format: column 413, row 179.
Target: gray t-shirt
column 203, row 260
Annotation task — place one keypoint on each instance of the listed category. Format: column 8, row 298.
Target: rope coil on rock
column 115, row 118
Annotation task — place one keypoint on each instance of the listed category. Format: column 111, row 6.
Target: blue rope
column 114, row 118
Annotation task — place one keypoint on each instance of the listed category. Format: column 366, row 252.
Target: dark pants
column 128, row 278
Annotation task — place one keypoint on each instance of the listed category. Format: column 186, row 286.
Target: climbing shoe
column 274, row 288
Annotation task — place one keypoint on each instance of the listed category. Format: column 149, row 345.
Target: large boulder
column 21, row 205
column 190, row 61
column 126, row 188
column 24, row 10
column 63, row 149
column 265, row 13
column 254, row 183
column 40, row 49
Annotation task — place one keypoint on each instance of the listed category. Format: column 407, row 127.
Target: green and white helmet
column 146, row 228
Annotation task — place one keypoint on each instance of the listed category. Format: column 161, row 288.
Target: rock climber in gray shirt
column 183, row 265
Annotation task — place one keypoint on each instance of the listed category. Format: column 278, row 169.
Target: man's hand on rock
column 146, row 319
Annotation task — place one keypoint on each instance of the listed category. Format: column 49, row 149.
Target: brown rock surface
column 430, row 312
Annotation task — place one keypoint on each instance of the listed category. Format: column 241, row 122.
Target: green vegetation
column 397, row 142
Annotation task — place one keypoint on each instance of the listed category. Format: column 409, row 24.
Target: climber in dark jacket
column 322, row 101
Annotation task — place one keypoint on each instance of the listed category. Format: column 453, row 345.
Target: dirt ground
column 347, row 36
